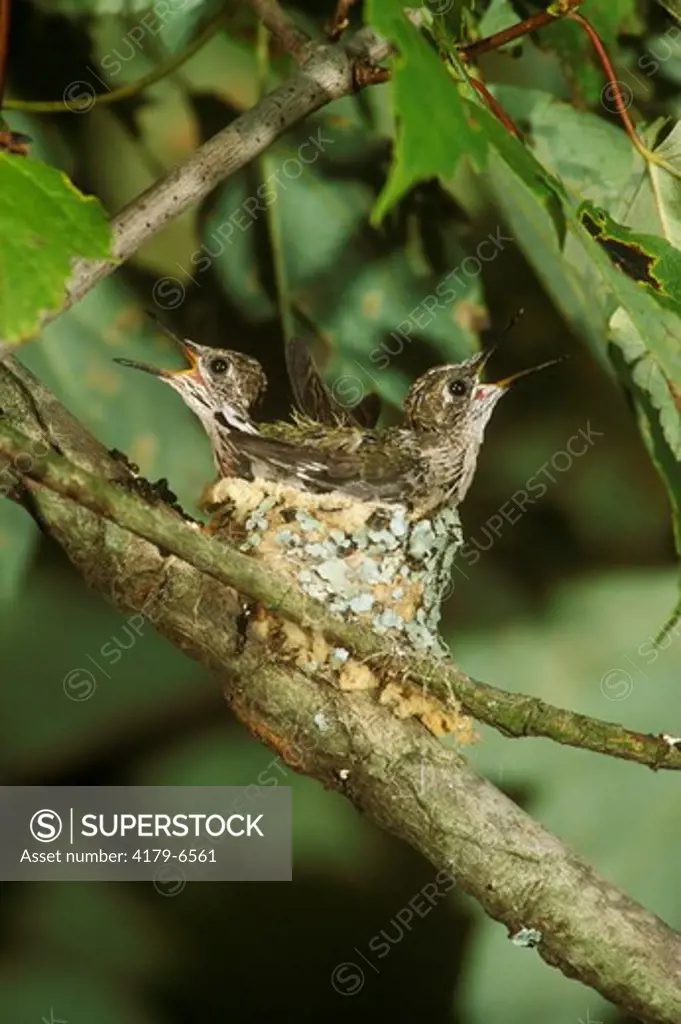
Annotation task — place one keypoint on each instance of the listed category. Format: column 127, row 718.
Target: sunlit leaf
column 591, row 284
column 45, row 223
column 592, row 157
column 647, row 334
column 532, row 205
column 665, row 190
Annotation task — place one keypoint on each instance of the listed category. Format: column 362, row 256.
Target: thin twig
column 340, row 20
column 494, row 105
column 291, row 39
column 536, row 21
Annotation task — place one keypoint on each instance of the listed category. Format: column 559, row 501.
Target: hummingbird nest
column 369, row 562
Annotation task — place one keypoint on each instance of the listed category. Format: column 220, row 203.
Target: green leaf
column 655, row 322
column 591, row 269
column 647, row 259
column 654, row 388
column 646, row 334
column 547, row 189
column 433, row 130
column 589, row 287
column 661, row 200
column 452, row 14
column 645, row 330
column 658, row 406
column 662, row 56
column 532, row 229
column 658, row 413
column 45, row 223
column 593, row 263
column 593, row 158
column 534, row 211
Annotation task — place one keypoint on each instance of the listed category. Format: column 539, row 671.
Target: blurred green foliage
column 384, row 240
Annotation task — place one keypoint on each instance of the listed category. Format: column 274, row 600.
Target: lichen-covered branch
column 520, row 873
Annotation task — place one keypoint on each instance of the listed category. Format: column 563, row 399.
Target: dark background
column 563, row 605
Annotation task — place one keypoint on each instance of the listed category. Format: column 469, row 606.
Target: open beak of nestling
column 485, row 390
column 507, row 381
column 192, row 352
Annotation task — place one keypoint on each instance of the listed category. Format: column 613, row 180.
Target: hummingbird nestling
column 427, row 464
column 217, row 379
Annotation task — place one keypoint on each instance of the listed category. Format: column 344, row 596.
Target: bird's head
column 454, row 398
column 216, row 379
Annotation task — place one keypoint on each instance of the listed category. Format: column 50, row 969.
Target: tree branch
column 288, row 35
column 513, row 714
column 519, row 872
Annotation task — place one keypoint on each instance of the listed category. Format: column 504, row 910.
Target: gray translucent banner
column 168, row 835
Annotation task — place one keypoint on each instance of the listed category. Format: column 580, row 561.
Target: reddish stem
column 507, row 35
column 617, row 97
column 495, row 106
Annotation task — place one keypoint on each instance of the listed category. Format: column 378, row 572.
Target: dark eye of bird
column 458, row 388
column 218, row 366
